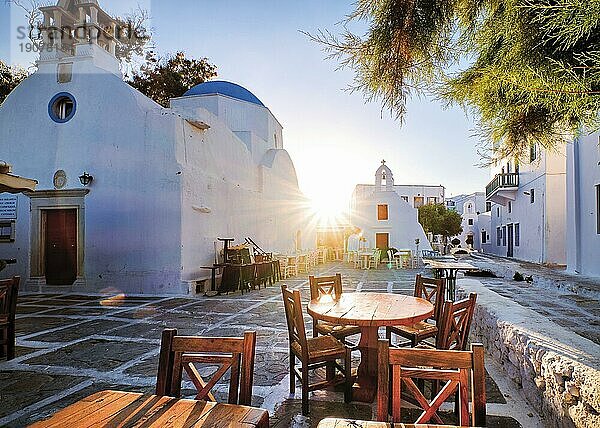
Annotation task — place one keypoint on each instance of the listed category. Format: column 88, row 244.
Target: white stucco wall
column 132, row 222
column 484, row 222
column 402, row 224
column 542, row 224
column 163, row 190
column 469, row 207
column 583, row 175
column 409, row 191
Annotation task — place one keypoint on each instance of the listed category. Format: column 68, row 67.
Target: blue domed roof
column 224, row 88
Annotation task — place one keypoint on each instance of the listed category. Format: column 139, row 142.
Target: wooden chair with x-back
column 432, row 290
column 457, row 370
column 234, row 354
column 329, row 287
column 455, row 323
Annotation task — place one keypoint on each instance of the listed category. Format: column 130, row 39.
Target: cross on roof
column 383, row 162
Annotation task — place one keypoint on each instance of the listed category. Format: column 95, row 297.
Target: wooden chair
column 178, row 353
column 458, row 369
column 455, row 323
column 360, row 262
column 432, row 290
column 322, row 351
column 302, row 263
column 9, row 291
column 330, row 286
column 407, row 260
column 292, row 266
column 321, row 255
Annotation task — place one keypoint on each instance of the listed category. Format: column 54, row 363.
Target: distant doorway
column 511, row 239
column 382, row 241
column 60, row 246
column 469, row 241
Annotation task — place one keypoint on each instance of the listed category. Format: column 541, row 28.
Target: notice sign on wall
column 8, row 207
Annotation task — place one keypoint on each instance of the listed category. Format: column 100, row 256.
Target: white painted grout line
column 38, row 405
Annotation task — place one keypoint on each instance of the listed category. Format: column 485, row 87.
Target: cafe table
column 369, row 311
column 128, row 409
column 450, row 268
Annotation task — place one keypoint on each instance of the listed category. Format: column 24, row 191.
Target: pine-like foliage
column 10, row 77
column 164, row 78
column 533, row 72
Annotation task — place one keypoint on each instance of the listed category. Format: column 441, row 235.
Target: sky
column 334, row 137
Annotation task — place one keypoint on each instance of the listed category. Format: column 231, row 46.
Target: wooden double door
column 60, row 246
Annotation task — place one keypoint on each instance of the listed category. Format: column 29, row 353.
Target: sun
column 327, row 210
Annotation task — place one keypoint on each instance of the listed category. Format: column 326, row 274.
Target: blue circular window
column 62, row 107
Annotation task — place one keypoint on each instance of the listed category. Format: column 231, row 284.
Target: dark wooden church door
column 61, row 247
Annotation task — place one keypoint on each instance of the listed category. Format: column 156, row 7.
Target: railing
column 502, row 181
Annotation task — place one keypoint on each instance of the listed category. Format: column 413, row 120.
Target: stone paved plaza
column 71, row 345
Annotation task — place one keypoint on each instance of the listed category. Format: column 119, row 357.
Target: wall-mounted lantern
column 86, row 179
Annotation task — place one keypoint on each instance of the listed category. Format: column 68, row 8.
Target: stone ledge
column 558, row 370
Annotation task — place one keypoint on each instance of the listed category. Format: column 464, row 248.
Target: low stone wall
column 558, row 370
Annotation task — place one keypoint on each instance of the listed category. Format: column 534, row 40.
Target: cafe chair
column 302, row 263
column 329, row 287
column 315, row 352
column 374, row 259
column 458, row 371
column 9, row 290
column 455, row 323
column 233, row 354
column 432, row 290
column 291, row 266
column 393, row 260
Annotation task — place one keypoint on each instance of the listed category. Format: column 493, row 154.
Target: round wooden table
column 370, row 311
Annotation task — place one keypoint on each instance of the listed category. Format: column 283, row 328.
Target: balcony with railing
column 503, row 188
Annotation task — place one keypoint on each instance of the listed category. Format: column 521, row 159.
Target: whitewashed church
column 387, row 213
column 132, row 196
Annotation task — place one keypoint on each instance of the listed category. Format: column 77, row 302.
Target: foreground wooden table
column 129, row 409
column 370, row 311
column 348, row 423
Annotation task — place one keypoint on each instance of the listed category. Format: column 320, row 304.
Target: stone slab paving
column 71, row 345
column 569, row 301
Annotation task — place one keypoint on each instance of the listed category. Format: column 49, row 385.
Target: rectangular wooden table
column 130, row 409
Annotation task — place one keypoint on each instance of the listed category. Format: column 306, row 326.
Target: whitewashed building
column 583, row 205
column 387, row 213
column 527, row 219
column 470, row 207
column 167, row 182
